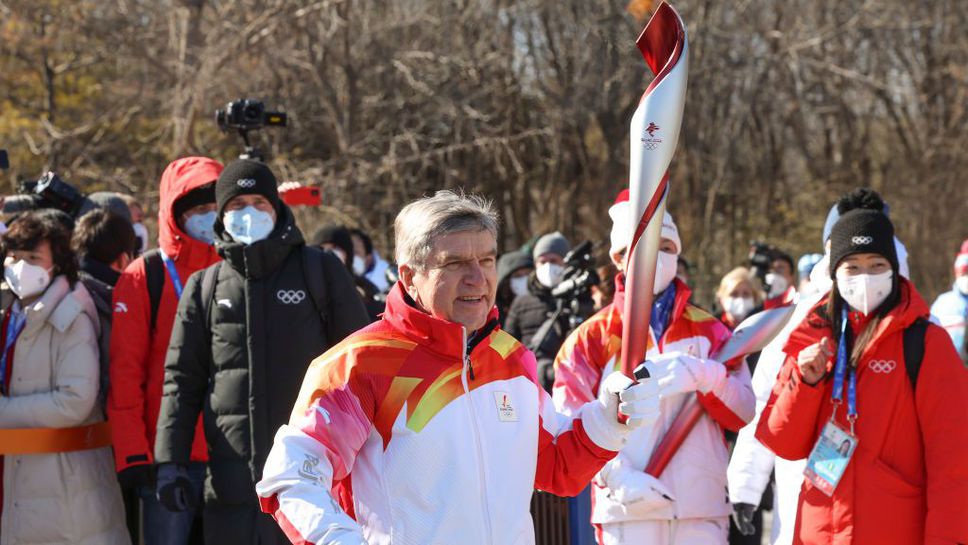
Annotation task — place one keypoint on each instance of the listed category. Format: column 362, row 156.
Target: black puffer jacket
column 529, row 311
column 244, row 366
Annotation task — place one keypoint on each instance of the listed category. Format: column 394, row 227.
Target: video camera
column 50, row 191
column 248, row 114
column 579, row 275
column 761, row 258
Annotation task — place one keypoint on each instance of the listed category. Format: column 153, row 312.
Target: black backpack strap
column 914, row 350
column 155, row 280
column 315, row 275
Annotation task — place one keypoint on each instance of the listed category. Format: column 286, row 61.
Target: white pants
column 666, row 532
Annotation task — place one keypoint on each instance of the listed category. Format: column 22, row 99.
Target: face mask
column 549, row 274
column 962, row 284
column 24, row 279
column 738, row 307
column 248, row 225
column 665, row 270
column 201, row 227
column 142, row 233
column 359, row 265
column 519, row 285
column 778, row 285
column 865, row 292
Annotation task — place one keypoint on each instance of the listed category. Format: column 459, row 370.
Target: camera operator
column 543, row 318
column 774, row 269
column 50, row 191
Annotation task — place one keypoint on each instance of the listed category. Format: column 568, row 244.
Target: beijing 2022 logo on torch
column 651, row 142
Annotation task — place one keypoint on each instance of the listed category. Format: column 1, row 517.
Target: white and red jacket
column 439, row 440
column 696, row 476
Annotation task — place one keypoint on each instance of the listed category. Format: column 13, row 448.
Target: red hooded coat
column 907, row 481
column 137, row 352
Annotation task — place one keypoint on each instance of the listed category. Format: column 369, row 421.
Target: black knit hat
column 245, row 177
column 512, row 261
column 338, row 236
column 203, row 194
column 862, row 231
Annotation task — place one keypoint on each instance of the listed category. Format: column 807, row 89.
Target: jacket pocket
column 887, row 480
column 888, row 508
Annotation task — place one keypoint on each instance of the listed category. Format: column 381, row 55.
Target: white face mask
column 248, row 225
column 666, row 266
column 142, row 233
column 549, row 274
column 519, row 285
column 962, row 284
column 201, row 227
column 359, row 265
column 25, row 280
column 865, row 292
column 778, row 285
column 738, row 307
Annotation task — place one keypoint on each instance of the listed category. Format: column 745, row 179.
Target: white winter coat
column 62, row 498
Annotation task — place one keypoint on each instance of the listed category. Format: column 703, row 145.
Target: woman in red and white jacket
column 905, row 480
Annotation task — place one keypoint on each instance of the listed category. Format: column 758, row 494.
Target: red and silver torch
column 654, row 135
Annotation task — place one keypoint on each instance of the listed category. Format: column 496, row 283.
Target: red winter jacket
column 908, row 480
column 137, row 353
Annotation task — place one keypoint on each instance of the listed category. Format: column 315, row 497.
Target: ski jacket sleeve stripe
column 129, row 353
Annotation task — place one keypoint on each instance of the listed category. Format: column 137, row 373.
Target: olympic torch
column 654, row 135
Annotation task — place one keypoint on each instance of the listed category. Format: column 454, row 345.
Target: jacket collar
column 435, row 334
column 100, row 271
column 263, row 257
column 683, row 294
column 59, row 305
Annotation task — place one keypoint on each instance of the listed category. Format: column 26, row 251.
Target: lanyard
column 172, row 273
column 14, row 326
column 840, row 373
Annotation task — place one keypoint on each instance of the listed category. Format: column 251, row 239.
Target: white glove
column 630, row 486
column 640, row 403
column 679, row 373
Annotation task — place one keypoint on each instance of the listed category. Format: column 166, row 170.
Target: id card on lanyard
column 829, row 458
column 172, row 273
column 15, row 325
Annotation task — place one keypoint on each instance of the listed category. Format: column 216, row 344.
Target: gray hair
column 422, row 222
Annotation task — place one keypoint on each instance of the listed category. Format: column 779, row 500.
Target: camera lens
column 252, row 112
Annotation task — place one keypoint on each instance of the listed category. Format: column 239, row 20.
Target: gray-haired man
column 431, row 419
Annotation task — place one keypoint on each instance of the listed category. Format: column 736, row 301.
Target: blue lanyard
column 14, row 326
column 172, row 273
column 840, row 373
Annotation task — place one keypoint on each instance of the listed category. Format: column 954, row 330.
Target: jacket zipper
column 468, row 369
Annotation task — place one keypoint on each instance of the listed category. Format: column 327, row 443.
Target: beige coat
column 65, row 498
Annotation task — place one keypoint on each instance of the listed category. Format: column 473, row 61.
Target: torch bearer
column 654, row 135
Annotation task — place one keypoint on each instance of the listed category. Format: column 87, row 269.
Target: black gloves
column 141, row 475
column 174, row 489
column 743, row 518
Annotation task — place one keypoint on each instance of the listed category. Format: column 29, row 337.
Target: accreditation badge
column 829, row 458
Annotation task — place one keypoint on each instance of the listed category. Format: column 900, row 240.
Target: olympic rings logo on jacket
column 290, row 297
